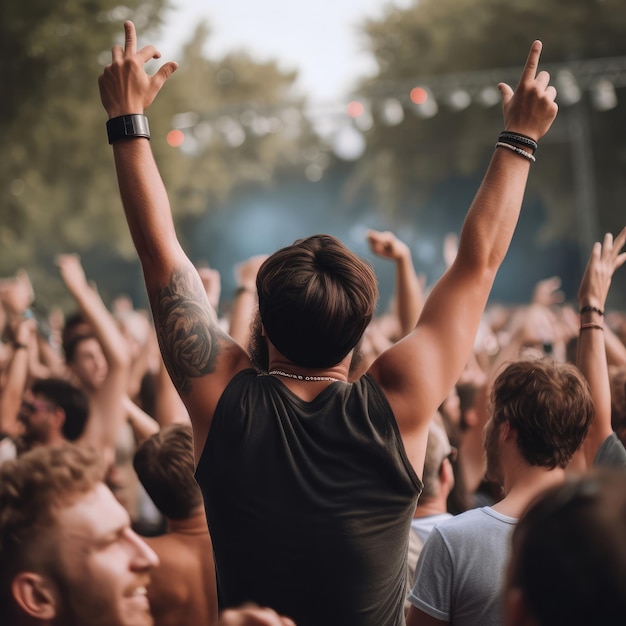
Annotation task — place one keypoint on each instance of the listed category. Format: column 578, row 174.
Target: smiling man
column 68, row 555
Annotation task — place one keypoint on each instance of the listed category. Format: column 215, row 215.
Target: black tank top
column 309, row 504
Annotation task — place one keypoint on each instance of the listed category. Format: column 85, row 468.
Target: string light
column 341, row 126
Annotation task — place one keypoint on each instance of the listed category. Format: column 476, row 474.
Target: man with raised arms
column 310, row 481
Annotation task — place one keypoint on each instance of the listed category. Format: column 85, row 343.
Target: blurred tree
column 57, row 186
column 55, row 189
column 240, row 125
column 450, row 42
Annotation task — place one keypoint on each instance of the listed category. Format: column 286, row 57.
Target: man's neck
column 472, row 458
column 433, row 506
column 523, row 484
column 56, row 439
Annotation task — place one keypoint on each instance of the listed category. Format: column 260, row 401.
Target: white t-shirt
column 8, row 450
column 460, row 571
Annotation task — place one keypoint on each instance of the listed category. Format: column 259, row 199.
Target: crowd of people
column 292, row 455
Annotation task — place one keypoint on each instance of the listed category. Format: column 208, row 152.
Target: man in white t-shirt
column 432, row 507
column 542, row 411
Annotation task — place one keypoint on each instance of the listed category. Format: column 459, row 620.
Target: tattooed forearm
column 187, row 328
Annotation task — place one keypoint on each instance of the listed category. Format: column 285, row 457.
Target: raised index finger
column 130, row 45
column 532, row 62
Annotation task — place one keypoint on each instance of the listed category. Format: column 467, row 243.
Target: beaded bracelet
column 523, row 153
column 517, row 138
column 589, row 309
column 588, row 326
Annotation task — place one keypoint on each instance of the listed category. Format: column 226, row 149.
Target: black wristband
column 127, row 127
column 518, row 139
column 591, row 309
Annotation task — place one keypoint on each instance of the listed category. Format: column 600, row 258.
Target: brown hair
column 548, row 404
column 71, row 399
column 316, row 298
column 165, row 466
column 32, row 488
column 569, row 552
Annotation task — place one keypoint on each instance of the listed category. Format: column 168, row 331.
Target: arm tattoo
column 186, row 328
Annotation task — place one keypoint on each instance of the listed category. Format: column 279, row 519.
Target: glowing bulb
column 392, row 112
column 355, row 108
column 418, row 95
column 175, row 138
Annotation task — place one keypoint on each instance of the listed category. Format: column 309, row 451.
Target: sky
column 319, row 39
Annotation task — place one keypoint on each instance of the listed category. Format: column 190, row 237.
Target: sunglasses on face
column 30, row 406
column 452, row 455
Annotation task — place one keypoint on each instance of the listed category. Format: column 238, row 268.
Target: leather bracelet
column 127, row 127
column 589, row 309
column 519, row 140
column 19, row 346
column 592, row 326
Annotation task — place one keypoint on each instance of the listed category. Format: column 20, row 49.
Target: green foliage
column 449, row 42
column 58, row 191
column 241, row 126
column 55, row 190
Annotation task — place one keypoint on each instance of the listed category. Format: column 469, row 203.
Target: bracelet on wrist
column 517, row 139
column 590, row 309
column 591, row 326
column 127, row 127
column 516, row 149
column 19, row 346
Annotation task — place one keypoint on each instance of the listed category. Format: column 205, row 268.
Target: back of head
column 71, row 399
column 316, row 298
column 437, row 450
column 165, row 466
column 549, row 406
column 32, row 488
column 569, row 553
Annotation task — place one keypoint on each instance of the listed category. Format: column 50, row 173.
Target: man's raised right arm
column 192, row 344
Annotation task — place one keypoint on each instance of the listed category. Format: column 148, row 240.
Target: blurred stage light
column 603, row 95
column 348, row 143
column 459, row 99
column 232, row 132
column 418, row 95
column 355, row 108
column 175, row 138
column 424, row 102
column 568, row 91
column 203, row 132
column 489, row 96
column 185, row 120
column 391, row 112
column 361, row 113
